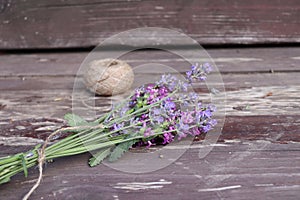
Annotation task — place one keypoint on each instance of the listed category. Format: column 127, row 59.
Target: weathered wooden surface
column 267, row 100
column 256, row 157
column 233, row 170
column 60, row 24
column 235, row 60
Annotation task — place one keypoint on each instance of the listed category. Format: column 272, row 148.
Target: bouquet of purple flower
column 155, row 114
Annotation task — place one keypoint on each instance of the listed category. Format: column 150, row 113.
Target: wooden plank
column 269, row 128
column 257, row 155
column 238, row 60
column 60, row 24
column 15, row 135
column 235, row 170
column 231, row 81
column 253, row 94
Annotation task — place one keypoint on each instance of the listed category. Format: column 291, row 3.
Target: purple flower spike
column 168, row 138
column 207, row 128
column 196, row 131
column 170, row 105
column 180, row 114
column 198, row 72
column 206, row 67
column 148, row 132
column 187, row 117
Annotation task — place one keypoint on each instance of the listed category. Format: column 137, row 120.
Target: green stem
column 81, row 142
column 60, row 145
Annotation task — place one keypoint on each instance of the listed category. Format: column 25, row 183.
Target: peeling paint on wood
column 257, row 155
column 220, row 188
column 251, row 101
column 142, row 185
column 19, row 141
column 261, row 172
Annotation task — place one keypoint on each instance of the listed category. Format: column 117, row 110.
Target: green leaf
column 99, row 157
column 24, row 165
column 5, row 180
column 75, row 120
column 120, row 150
column 130, row 111
column 142, row 130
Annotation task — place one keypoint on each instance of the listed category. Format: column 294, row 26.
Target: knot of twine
column 42, row 155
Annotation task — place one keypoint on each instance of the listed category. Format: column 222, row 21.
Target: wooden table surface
column 46, row 24
column 257, row 155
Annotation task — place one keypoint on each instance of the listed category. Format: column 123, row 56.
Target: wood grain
column 256, row 94
column 235, row 170
column 231, row 81
column 236, row 60
column 256, row 156
column 61, row 24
